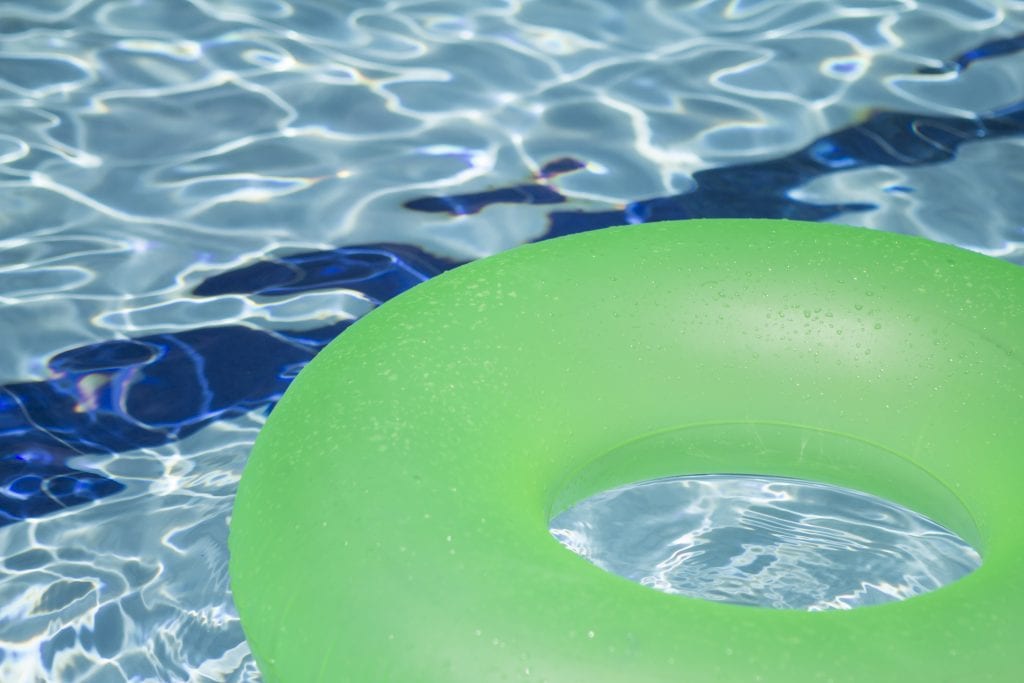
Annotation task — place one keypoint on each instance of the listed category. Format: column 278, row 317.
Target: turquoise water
column 155, row 156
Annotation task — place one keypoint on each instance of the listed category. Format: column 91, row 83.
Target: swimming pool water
column 198, row 195
column 764, row 542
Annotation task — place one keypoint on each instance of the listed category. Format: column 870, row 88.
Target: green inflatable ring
column 391, row 524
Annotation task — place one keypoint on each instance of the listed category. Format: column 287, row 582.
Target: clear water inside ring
column 764, row 541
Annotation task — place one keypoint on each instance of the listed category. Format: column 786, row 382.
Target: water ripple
column 764, row 542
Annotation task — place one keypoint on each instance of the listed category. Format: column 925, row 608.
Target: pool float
column 391, row 524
